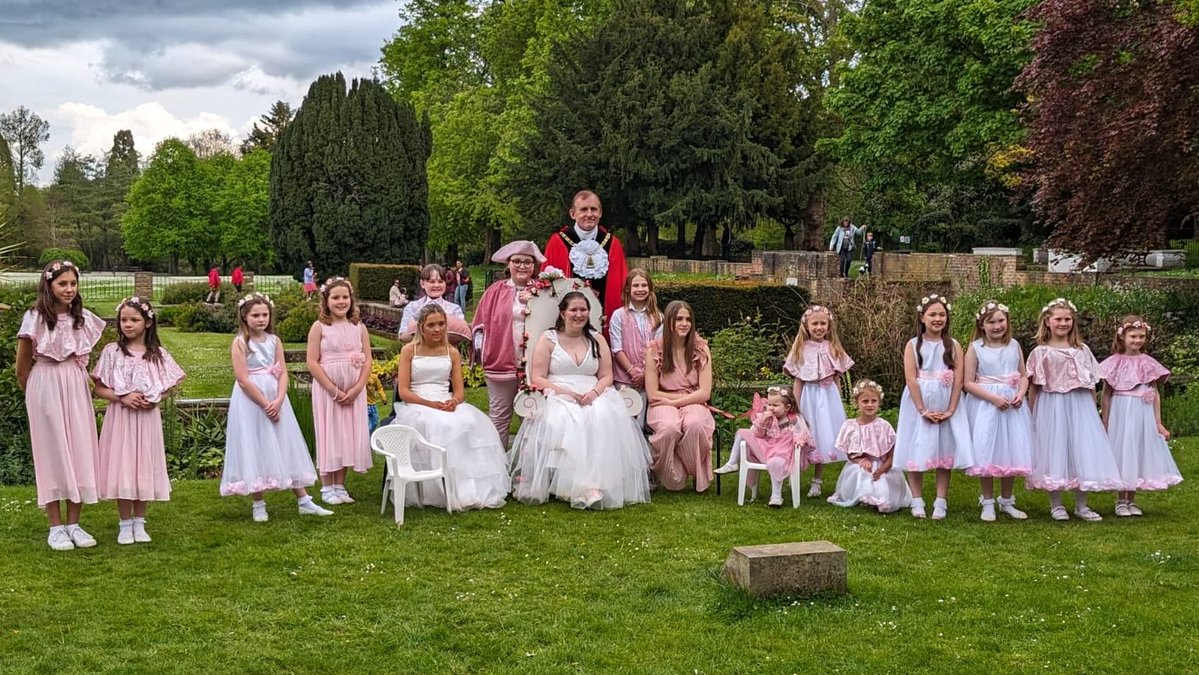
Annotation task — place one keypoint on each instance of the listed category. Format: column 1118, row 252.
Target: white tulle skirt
column 1070, row 448
column 1001, row 440
column 824, row 412
column 1142, row 455
column 590, row 456
column 261, row 455
column 476, row 466
column 856, row 486
column 921, row 445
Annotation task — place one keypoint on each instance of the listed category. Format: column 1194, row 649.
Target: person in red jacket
column 214, row 286
column 587, row 250
column 238, row 278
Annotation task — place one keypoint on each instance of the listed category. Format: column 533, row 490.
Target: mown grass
column 548, row 589
column 205, row 359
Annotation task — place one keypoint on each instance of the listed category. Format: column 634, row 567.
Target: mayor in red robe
column 587, row 250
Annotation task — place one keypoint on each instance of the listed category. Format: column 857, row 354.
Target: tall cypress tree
column 348, row 180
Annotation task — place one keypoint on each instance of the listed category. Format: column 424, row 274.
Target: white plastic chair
column 395, row 442
column 743, row 481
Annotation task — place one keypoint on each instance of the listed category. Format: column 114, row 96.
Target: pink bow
column 1149, row 396
column 358, row 359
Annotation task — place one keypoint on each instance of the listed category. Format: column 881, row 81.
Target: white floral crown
column 863, row 385
column 136, row 303
column 256, row 296
column 932, row 299
column 58, row 265
column 332, row 280
column 1058, row 302
column 990, row 307
column 817, row 308
column 1134, row 325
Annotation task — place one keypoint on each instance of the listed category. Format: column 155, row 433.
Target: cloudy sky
column 173, row 67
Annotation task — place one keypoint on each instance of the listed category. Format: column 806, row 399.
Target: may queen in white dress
column 583, row 447
column 430, row 386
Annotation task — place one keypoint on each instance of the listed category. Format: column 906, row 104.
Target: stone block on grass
column 792, row 569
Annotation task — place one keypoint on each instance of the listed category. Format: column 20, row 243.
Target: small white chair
column 743, row 481
column 395, row 442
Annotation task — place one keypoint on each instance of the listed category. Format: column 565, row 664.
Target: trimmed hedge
column 372, row 281
column 719, row 304
column 193, row 291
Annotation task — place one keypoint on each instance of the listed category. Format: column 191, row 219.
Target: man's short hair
column 581, row 194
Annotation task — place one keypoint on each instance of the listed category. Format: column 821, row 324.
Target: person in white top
column 432, row 281
column 634, row 325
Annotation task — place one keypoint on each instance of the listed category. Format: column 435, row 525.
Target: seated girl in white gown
column 583, row 447
column 430, row 387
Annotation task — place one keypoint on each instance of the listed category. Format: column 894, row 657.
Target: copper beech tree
column 1113, row 117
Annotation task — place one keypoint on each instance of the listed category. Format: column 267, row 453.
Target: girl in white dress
column 996, row 383
column 869, row 476
column 816, row 361
column 583, row 448
column 264, row 449
column 1132, row 413
column 430, row 385
column 931, row 435
column 1070, row 446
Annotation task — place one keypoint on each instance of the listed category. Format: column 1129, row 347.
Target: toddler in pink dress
column 134, row 374
column 777, row 432
column 869, row 443
column 54, row 342
column 339, row 360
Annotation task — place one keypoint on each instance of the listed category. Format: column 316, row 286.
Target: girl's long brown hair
column 326, row 316
column 45, row 305
column 946, row 339
column 651, row 303
column 669, row 338
column 149, row 338
column 588, row 330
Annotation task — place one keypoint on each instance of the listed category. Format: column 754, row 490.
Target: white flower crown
column 1058, row 302
column 58, row 265
column 137, row 303
column 817, row 308
column 990, row 307
column 259, row 296
column 932, row 299
column 863, row 385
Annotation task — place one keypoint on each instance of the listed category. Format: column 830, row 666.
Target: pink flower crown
column 1133, row 325
column 136, row 303
column 332, row 280
column 814, row 309
column 59, row 265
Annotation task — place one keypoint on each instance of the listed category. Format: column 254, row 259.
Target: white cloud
column 92, row 128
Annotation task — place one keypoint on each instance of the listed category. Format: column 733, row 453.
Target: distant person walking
column 309, row 276
column 214, row 286
column 462, row 292
column 869, row 246
column 238, row 278
column 842, row 243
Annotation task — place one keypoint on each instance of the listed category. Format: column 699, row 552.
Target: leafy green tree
column 273, row 123
column 166, row 207
column 243, row 205
column 103, row 244
column 927, row 104
column 8, row 188
column 348, row 179
column 72, row 199
column 25, row 133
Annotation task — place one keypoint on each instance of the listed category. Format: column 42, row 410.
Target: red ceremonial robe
column 558, row 255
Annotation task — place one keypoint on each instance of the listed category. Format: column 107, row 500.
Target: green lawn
column 205, row 359
column 548, row 589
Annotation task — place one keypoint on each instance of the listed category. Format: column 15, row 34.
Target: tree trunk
column 651, row 239
column 789, row 236
column 492, row 243
column 632, row 242
column 813, row 223
column 680, row 241
column 697, row 244
column 709, row 250
column 451, row 254
column 726, row 242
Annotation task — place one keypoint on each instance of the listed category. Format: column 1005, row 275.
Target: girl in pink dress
column 816, row 361
column 1132, row 413
column 634, row 324
column 869, row 443
column 1070, row 447
column 776, row 433
column 134, row 374
column 339, row 358
column 678, row 381
column 53, row 344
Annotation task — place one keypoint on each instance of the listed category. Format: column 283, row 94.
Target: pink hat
column 521, row 247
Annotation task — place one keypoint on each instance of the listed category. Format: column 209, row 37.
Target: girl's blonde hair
column 983, row 314
column 651, row 303
column 1130, row 322
column 1043, row 331
column 243, row 309
column 326, row 316
column 422, row 316
column 802, row 335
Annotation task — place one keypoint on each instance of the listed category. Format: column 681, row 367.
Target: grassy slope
column 550, row 589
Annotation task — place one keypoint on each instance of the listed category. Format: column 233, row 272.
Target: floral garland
column 58, row 266
column 259, row 296
column 333, row 280
column 136, row 303
column 864, row 385
column 932, row 299
column 1056, row 303
column 815, row 309
column 990, row 307
column 1133, row 325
